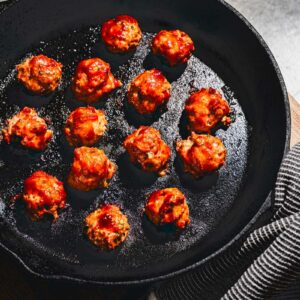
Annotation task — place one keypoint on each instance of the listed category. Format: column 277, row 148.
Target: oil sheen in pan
column 64, row 239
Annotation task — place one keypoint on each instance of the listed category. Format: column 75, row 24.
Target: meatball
column 121, row 34
column 173, row 45
column 91, row 169
column 93, row 79
column 40, row 74
column 85, row 126
column 147, row 149
column 148, row 91
column 201, row 154
column 168, row 206
column 29, row 128
column 107, row 227
column 205, row 109
column 43, row 194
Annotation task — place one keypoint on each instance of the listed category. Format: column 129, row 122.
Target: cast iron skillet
column 230, row 56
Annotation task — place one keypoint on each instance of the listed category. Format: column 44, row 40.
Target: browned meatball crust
column 107, row 227
column 147, row 149
column 91, row 169
column 121, row 34
column 43, row 194
column 174, row 45
column 205, row 109
column 168, row 206
column 29, row 128
column 85, row 126
column 201, row 154
column 148, row 91
column 40, row 74
column 93, row 79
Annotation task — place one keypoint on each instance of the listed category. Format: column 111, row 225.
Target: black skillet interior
column 221, row 205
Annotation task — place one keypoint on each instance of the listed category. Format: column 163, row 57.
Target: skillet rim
column 264, row 207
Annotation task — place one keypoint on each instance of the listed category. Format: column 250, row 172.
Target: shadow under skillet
column 18, row 284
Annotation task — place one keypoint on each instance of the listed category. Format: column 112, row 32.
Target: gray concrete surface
column 278, row 21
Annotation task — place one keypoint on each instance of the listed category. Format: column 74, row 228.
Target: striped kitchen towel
column 264, row 265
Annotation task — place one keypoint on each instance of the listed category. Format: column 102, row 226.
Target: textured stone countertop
column 278, row 21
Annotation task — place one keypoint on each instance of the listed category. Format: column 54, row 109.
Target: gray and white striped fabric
column 263, row 265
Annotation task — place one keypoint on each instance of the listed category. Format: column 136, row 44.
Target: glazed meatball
column 168, row 206
column 28, row 128
column 173, row 45
column 148, row 91
column 85, row 126
column 40, row 74
column 93, row 79
column 201, row 154
column 147, row 149
column 121, row 34
column 205, row 109
column 91, row 169
column 43, row 194
column 107, row 227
